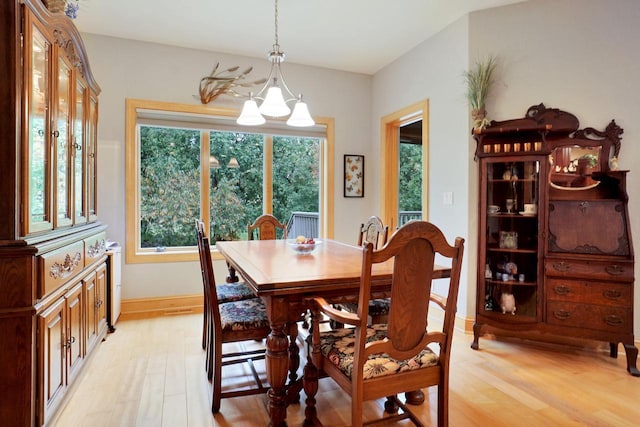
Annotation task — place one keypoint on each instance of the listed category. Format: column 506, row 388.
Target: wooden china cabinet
column 52, row 248
column 555, row 255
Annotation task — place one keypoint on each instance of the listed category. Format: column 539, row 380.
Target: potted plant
column 479, row 79
column 586, row 162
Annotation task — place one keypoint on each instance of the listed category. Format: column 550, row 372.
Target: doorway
column 405, row 154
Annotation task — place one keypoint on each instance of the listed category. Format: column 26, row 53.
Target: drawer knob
column 561, row 290
column 614, row 270
column 561, row 266
column 561, row 314
column 613, row 320
column 612, row 294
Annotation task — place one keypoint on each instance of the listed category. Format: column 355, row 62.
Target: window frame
column 133, row 252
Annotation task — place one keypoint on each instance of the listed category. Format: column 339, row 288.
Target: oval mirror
column 573, row 165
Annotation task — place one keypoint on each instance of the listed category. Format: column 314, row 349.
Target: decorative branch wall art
column 224, row 82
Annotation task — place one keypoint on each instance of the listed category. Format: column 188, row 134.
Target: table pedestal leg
column 294, row 385
column 277, row 362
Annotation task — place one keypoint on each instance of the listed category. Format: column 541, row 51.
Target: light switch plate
column 447, row 198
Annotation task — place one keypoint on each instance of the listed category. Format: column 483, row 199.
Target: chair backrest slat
column 374, row 232
column 414, row 248
column 266, row 227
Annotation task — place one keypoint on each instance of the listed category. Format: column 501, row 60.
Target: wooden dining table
column 284, row 280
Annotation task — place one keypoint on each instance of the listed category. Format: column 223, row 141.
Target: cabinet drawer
column 595, row 270
column 57, row 267
column 583, row 291
column 586, row 316
column 94, row 248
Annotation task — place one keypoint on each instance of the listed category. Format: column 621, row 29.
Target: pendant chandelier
column 273, row 94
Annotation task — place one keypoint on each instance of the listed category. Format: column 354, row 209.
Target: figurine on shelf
column 508, row 303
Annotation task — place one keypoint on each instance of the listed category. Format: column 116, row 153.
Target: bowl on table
column 304, row 248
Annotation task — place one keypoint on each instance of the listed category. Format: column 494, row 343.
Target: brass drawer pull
column 562, row 290
column 614, row 320
column 561, row 315
column 614, row 270
column 612, row 294
column 561, row 266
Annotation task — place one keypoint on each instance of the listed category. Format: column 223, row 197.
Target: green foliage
column 479, row 80
column 170, row 183
column 410, row 177
column 296, row 176
column 592, row 159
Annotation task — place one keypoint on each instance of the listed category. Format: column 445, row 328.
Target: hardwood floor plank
column 150, row 411
column 174, row 410
column 150, row 372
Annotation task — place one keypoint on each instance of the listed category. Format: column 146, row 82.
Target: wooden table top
column 271, row 267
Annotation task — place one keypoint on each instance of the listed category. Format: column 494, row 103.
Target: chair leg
column 216, row 381
column 204, row 329
column 209, row 353
column 390, row 405
column 310, row 383
column 443, row 402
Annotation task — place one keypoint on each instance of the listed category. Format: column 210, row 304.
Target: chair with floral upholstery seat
column 374, row 361
column 266, row 227
column 226, row 292
column 235, row 321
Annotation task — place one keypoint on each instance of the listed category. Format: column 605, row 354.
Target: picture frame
column 353, row 175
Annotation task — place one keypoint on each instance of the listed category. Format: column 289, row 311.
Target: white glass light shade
column 273, row 104
column 300, row 116
column 250, row 115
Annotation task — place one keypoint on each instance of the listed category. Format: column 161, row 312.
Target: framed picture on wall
column 353, row 175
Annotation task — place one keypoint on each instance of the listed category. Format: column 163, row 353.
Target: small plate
column 523, row 213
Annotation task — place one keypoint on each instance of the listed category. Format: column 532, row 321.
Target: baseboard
column 163, row 306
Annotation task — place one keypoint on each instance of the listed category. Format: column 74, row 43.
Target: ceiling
column 351, row 35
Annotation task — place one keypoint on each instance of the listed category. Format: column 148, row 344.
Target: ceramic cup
column 530, row 208
column 493, row 209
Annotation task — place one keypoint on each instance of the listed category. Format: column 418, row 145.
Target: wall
column 131, row 69
column 433, row 70
column 577, row 55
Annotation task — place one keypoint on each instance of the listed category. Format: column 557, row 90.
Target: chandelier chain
column 276, row 24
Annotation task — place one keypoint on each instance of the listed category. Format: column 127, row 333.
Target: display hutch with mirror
column 52, row 248
column 555, row 256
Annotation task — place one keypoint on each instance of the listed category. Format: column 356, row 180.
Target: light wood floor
column 150, row 372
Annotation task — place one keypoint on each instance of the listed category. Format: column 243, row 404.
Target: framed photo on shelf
column 353, row 175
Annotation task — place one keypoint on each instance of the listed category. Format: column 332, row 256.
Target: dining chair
column 375, row 232
column 266, row 227
column 226, row 292
column 381, row 360
column 229, row 322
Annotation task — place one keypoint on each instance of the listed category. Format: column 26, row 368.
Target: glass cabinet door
column 79, row 149
column 510, row 247
column 61, row 140
column 37, row 206
column 92, row 150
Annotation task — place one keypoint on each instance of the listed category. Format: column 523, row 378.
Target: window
column 186, row 162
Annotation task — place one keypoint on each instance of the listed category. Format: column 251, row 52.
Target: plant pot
column 55, row 6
